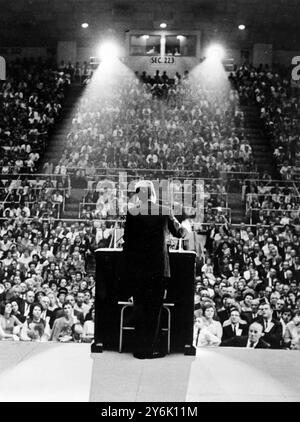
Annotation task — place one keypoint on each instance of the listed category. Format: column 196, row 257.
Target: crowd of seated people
column 270, row 202
column 38, row 197
column 248, row 288
column 46, row 288
column 279, row 111
column 30, row 102
column 248, row 279
column 196, row 128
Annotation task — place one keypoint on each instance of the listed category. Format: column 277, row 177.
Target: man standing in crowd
column 272, row 328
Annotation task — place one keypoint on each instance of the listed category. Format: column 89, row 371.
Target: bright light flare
column 215, row 52
column 108, row 51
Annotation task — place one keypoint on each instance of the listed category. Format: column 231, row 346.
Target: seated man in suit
column 250, row 316
column 234, row 326
column 253, row 340
column 272, row 328
column 224, row 312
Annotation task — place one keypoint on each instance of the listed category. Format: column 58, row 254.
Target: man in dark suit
column 26, row 304
column 272, row 328
column 244, row 257
column 46, row 313
column 210, row 234
column 253, row 340
column 224, row 312
column 234, row 326
column 250, row 316
column 146, row 260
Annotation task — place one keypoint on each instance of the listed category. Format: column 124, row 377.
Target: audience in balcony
column 31, row 100
column 271, row 90
column 188, row 128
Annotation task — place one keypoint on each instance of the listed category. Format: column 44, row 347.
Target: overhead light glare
column 108, row 50
column 215, row 52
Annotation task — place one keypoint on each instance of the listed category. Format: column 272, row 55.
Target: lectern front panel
column 112, row 286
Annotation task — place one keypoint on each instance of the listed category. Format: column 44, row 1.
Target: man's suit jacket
column 145, row 249
column 23, row 305
column 242, row 342
column 274, row 336
column 223, row 315
column 244, row 259
column 282, row 278
column 210, row 233
column 274, row 264
column 229, row 333
column 297, row 275
column 248, row 316
column 51, row 315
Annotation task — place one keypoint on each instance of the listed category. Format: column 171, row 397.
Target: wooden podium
column 112, row 286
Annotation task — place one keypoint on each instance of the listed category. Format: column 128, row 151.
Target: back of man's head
column 145, row 190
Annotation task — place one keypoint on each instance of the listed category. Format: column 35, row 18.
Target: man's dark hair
column 226, row 296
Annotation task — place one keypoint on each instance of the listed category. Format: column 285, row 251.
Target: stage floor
column 68, row 372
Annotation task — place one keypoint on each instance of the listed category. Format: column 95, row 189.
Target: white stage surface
column 68, row 372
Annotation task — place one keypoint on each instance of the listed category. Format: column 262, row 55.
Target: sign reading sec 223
column 162, row 60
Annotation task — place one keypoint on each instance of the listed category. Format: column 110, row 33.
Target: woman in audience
column 207, row 331
column 291, row 337
column 9, row 323
column 35, row 328
column 16, row 312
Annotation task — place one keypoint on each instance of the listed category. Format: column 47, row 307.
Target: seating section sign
column 163, row 60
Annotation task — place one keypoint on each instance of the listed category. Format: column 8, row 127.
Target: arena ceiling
column 40, row 22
